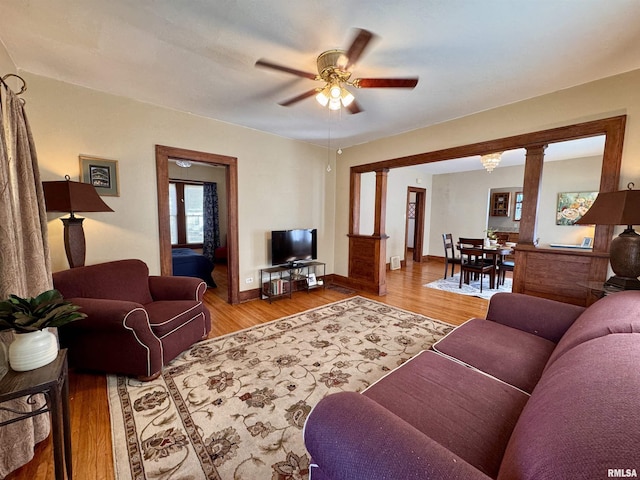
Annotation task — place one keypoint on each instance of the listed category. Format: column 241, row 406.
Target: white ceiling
column 198, row 55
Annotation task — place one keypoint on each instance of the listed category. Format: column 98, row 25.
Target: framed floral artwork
column 101, row 173
column 572, row 206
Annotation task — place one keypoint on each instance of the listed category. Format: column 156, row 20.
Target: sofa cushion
column 466, row 412
column 350, row 436
column 541, row 316
column 583, row 418
column 617, row 313
column 486, row 346
column 167, row 316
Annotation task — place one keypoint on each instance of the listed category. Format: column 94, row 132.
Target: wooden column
column 379, row 224
column 367, row 253
column 531, row 192
column 354, row 201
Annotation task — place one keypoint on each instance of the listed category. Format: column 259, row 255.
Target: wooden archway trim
column 163, row 154
column 593, row 263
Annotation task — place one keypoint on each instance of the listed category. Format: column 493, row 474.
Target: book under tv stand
column 281, row 280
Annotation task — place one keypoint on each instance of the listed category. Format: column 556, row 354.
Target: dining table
column 496, row 254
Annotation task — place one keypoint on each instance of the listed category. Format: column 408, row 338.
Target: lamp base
column 74, row 243
column 624, row 254
column 623, row 283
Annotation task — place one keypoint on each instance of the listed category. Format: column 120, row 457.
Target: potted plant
column 491, row 235
column 34, row 345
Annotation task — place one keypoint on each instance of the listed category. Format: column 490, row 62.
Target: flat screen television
column 291, row 246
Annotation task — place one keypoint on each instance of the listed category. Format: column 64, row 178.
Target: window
column 517, row 213
column 186, row 213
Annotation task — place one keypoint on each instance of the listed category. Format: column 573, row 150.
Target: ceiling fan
column 334, row 69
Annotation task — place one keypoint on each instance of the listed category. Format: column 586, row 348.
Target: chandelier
column 491, row 160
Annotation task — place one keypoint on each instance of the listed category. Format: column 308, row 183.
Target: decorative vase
column 32, row 350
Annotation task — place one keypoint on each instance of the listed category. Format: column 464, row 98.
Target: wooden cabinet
column 507, row 236
column 500, row 204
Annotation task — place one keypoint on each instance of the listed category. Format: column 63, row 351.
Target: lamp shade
column 68, row 196
column 619, row 208
column 614, row 208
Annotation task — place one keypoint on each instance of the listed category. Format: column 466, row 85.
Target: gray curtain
column 24, row 258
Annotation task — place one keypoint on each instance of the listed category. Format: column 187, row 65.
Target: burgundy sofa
column 135, row 323
column 538, row 390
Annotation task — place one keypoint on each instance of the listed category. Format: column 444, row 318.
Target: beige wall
column 398, row 181
column 6, row 65
column 460, row 201
column 282, row 183
column 578, row 175
column 601, row 99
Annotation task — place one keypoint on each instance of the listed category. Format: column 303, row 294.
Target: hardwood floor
column 90, row 425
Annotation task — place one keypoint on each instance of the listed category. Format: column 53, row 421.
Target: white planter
column 32, row 350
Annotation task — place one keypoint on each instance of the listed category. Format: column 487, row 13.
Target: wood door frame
column 163, row 154
column 418, row 228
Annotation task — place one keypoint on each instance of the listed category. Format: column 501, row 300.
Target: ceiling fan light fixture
column 346, row 97
column 491, row 160
column 323, row 98
column 334, row 104
column 335, row 91
column 183, row 163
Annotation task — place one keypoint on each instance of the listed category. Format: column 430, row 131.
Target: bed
column 187, row 263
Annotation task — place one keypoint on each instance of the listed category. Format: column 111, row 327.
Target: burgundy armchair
column 135, row 323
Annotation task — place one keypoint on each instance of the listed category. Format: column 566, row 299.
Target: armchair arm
column 106, row 314
column 177, row 288
column 540, row 316
column 349, row 436
column 114, row 337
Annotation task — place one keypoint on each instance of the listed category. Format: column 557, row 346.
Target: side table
column 597, row 290
column 50, row 380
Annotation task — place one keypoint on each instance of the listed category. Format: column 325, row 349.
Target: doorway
column 163, row 156
column 414, row 227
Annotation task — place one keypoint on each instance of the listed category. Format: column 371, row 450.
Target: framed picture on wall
column 101, row 173
column 572, row 206
column 587, row 242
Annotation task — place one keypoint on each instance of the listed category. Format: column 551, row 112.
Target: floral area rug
column 233, row 407
column 452, row 284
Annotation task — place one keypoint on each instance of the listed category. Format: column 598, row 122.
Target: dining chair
column 449, row 254
column 472, row 256
column 504, row 267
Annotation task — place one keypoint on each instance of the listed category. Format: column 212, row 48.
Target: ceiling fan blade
column 360, row 42
column 386, row 82
column 302, row 96
column 293, row 71
column 353, row 108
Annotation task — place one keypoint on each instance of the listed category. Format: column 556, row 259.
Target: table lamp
column 72, row 197
column 619, row 208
